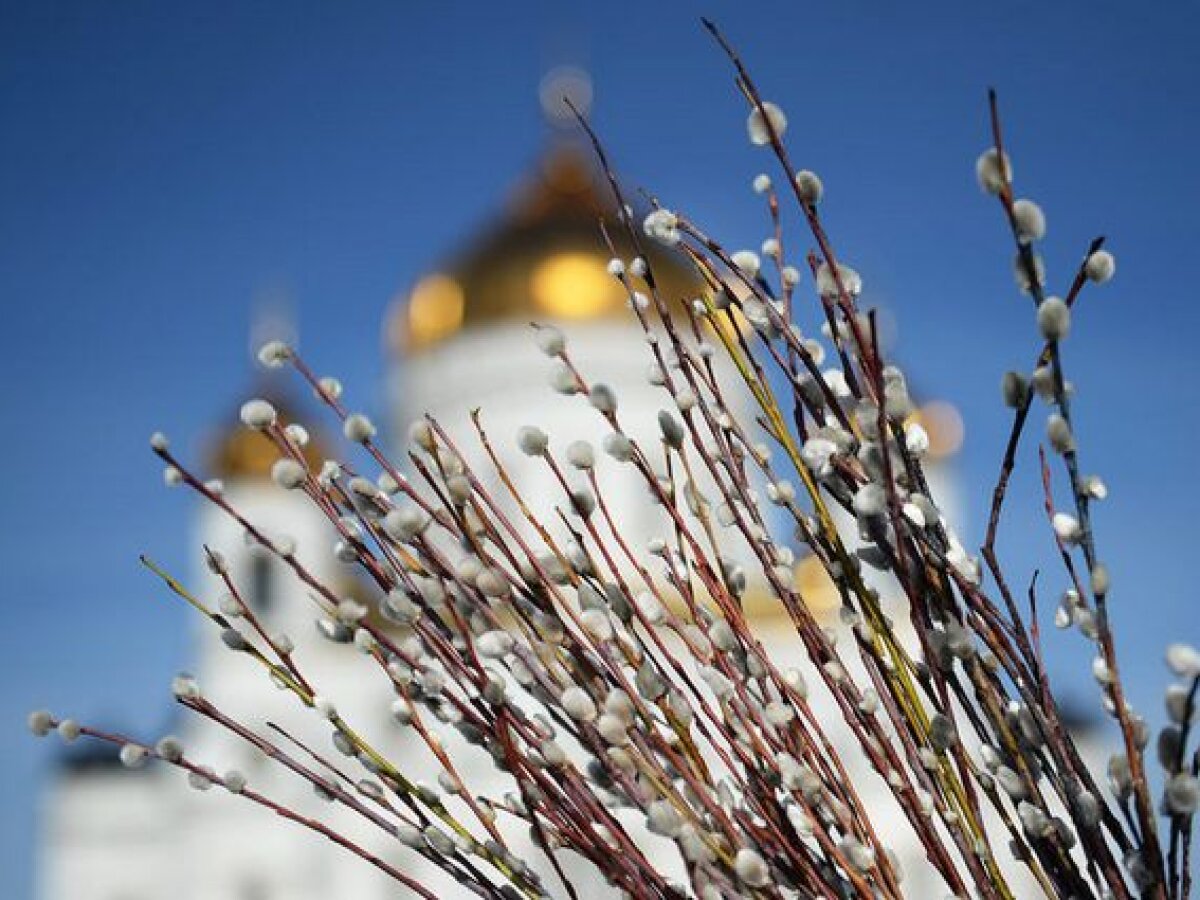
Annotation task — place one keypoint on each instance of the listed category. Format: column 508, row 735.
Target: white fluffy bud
column 1184, row 660
column 40, row 722
column 1182, row 794
column 185, row 687
column 578, row 704
column 1067, row 528
column 992, row 171
column 828, row 285
column 1059, row 432
column 1100, row 267
column 618, row 446
column 258, row 414
column 747, row 262
column 870, row 500
column 663, row 226
column 287, row 473
column 133, row 756
column 809, row 187
column 581, row 455
column 274, row 354
column 1014, row 388
column 661, row 818
column 603, row 398
column 405, row 523
column 551, row 341
column 494, row 644
column 358, row 428
column 751, row 868
column 1054, row 318
column 329, row 388
column 1029, row 221
column 532, row 441
column 762, row 121
column 916, row 438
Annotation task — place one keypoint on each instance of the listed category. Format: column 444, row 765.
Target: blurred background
column 171, row 174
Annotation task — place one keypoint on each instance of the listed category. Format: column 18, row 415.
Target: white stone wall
column 104, row 836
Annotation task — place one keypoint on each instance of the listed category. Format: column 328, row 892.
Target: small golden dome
column 944, row 424
column 543, row 259
column 810, row 581
column 238, row 453
column 816, row 587
column 241, row 453
column 435, row 309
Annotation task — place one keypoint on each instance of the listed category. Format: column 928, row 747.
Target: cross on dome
column 560, row 89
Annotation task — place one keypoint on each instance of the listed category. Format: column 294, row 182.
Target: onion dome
column 238, row 453
column 543, row 259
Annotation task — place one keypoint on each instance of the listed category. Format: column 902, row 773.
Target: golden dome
column 810, row 581
column 239, row 453
column 543, row 259
column 944, row 424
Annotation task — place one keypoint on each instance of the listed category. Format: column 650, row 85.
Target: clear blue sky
column 163, row 165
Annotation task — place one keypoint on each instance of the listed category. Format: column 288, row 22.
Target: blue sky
column 165, row 166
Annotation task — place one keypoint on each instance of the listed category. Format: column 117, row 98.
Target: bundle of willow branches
column 621, row 690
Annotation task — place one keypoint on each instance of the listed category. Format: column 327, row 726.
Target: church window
column 261, row 587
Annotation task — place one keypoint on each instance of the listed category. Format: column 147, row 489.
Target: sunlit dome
column 944, row 424
column 542, row 259
column 237, row 453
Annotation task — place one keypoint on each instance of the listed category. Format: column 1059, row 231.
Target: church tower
column 243, row 857
column 462, row 338
column 241, row 459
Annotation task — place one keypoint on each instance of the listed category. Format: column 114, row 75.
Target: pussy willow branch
column 1145, row 807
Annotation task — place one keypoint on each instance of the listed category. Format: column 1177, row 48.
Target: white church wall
column 106, row 836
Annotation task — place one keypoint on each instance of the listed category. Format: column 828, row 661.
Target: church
column 460, row 339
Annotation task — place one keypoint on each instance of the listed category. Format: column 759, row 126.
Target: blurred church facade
column 461, row 339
